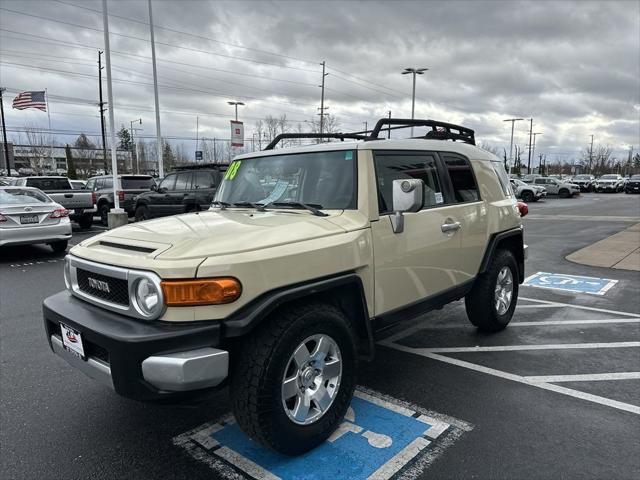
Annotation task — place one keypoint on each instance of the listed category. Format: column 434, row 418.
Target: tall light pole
column 4, row 134
column 114, row 158
column 322, row 107
column 414, row 72
column 133, row 142
column 533, row 146
column 235, row 104
column 155, row 95
column 590, row 153
column 513, row 121
column 530, row 137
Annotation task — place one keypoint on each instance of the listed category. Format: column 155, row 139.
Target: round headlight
column 147, row 297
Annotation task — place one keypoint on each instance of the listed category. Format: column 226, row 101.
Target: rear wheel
column 293, row 378
column 528, row 196
column 86, row 220
column 564, row 193
column 59, row 246
column 492, row 301
column 142, row 213
column 104, row 214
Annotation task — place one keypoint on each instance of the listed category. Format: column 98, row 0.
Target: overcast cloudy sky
column 572, row 66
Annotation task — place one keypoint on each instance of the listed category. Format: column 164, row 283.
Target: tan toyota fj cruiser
column 278, row 289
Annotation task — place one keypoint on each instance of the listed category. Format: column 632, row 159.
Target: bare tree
column 331, row 125
column 39, row 148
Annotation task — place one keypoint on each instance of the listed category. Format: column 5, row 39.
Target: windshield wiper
column 312, row 207
column 222, row 205
column 257, row 206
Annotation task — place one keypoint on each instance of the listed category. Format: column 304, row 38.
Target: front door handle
column 450, row 227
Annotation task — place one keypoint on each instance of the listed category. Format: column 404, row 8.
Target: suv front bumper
column 138, row 359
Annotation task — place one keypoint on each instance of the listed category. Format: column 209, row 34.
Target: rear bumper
column 36, row 234
column 138, row 359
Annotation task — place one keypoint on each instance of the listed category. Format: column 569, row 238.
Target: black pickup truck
column 78, row 202
column 186, row 189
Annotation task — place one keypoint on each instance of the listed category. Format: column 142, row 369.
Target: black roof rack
column 341, row 136
column 439, row 131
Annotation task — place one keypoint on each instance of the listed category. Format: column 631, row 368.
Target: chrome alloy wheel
column 312, row 379
column 504, row 290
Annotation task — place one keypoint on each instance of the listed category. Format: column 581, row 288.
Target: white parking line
column 520, row 379
column 581, row 307
column 574, row 322
column 595, row 377
column 516, row 348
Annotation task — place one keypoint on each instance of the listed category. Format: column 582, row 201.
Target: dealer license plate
column 72, row 340
column 29, row 219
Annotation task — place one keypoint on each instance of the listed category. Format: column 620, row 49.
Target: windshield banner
column 237, row 134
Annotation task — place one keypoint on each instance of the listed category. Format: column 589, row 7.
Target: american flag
column 30, row 100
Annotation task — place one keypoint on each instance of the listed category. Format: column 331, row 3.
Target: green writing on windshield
column 233, row 169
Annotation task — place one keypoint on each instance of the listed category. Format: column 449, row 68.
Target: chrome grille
column 116, row 290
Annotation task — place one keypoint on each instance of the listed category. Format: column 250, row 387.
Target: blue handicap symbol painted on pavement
column 376, row 440
column 572, row 283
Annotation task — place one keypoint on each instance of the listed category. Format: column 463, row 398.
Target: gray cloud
column 573, row 66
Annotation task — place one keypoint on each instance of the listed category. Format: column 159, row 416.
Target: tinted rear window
column 50, row 183
column 130, row 183
column 16, row 196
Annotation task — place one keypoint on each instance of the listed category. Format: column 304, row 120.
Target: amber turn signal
column 206, row 291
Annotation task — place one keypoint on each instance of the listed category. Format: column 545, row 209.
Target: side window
column 183, row 181
column 503, row 178
column 203, row 180
column 168, row 182
column 99, row 183
column 399, row 165
column 464, row 183
column 108, row 182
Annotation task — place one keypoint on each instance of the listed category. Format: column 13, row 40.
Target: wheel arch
column 512, row 240
column 344, row 291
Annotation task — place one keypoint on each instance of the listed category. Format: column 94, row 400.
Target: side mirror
column 408, row 196
column 161, row 190
column 154, row 187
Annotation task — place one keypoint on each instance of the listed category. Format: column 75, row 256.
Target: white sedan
column 29, row 216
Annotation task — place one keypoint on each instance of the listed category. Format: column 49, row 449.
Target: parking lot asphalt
column 557, row 394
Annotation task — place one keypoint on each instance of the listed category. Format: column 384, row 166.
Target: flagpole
column 46, row 98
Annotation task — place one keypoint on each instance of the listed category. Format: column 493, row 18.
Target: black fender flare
column 348, row 285
column 516, row 233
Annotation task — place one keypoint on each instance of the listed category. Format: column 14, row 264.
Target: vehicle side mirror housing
column 161, row 190
column 408, row 196
column 154, row 187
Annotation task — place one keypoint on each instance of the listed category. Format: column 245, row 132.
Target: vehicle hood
column 214, row 233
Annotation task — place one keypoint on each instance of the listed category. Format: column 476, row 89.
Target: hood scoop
column 133, row 248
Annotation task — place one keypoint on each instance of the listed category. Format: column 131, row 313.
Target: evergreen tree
column 124, row 139
column 71, row 168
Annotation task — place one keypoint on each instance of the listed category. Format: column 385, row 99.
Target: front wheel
column 528, row 197
column 564, row 193
column 492, row 300
column 293, row 379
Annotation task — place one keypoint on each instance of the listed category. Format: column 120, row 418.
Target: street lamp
column 133, row 142
column 414, row 72
column 513, row 121
column 533, row 147
column 235, row 104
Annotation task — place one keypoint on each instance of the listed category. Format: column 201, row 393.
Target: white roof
column 470, row 151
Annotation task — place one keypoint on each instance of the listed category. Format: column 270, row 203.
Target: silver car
column 29, row 216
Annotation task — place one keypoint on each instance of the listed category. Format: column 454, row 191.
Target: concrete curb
column 619, row 251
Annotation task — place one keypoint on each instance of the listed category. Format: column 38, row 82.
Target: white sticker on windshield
column 439, row 198
column 279, row 188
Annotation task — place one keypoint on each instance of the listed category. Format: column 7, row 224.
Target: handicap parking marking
column 380, row 438
column 571, row 283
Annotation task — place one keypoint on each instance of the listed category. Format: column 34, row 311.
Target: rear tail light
column 59, row 213
column 3, row 218
column 523, row 208
column 120, row 195
column 94, row 197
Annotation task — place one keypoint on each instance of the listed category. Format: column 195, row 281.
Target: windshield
column 17, row 196
column 582, row 177
column 635, row 177
column 321, row 179
column 519, row 182
column 609, row 177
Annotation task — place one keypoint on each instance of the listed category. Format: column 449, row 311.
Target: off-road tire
column 86, row 221
column 480, row 303
column 564, row 193
column 142, row 213
column 59, row 246
column 258, row 368
column 103, row 209
column 528, row 196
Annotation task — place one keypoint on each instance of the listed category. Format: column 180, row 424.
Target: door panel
column 417, row 263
